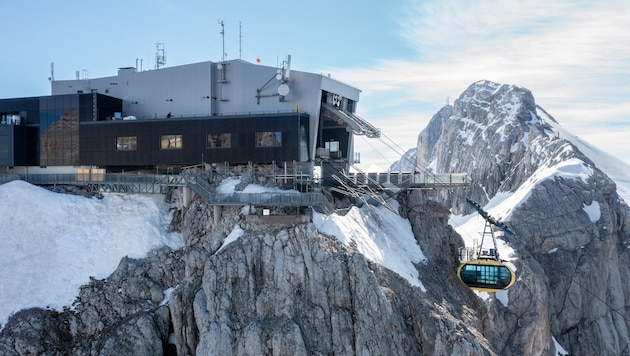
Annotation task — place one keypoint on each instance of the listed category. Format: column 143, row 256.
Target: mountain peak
column 527, row 171
column 494, row 133
column 487, row 102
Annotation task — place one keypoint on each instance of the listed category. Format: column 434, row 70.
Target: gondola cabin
column 486, row 275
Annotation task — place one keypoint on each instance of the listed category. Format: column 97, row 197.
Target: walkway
column 207, row 192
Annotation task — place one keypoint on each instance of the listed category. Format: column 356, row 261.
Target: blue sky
column 407, row 57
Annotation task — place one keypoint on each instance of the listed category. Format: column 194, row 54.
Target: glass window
column 171, row 142
column 269, row 139
column 126, row 143
column 221, row 140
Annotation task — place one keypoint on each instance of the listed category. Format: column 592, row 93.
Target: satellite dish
column 279, row 76
column 219, row 66
column 283, row 89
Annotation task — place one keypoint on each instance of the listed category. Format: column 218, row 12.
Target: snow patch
column 167, row 296
column 502, row 297
column 593, row 211
column 53, row 243
column 380, row 235
column 560, row 351
column 233, row 236
column 228, row 185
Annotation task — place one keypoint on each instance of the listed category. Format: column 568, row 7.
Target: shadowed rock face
column 571, row 269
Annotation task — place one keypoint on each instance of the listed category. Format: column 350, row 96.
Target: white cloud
column 572, row 55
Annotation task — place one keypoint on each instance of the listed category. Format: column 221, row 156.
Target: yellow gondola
column 486, row 275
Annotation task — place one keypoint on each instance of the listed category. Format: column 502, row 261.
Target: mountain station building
column 209, row 112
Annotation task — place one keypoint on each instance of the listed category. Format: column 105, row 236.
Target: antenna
column 160, row 55
column 240, row 40
column 52, row 72
column 223, row 36
column 287, row 71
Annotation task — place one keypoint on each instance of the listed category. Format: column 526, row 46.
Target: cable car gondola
column 486, row 275
column 486, row 272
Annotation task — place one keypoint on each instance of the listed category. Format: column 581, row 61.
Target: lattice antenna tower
column 160, row 55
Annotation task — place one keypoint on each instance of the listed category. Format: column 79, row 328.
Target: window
column 222, row 140
column 269, row 139
column 126, row 143
column 171, row 142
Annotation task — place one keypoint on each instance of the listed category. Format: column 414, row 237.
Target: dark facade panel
column 17, row 145
column 97, row 141
column 27, row 108
column 86, row 106
column 26, row 145
column 6, row 145
column 76, row 129
column 105, row 106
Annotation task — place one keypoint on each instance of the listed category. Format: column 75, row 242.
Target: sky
column 409, row 57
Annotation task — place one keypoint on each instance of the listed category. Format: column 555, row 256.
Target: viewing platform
column 396, row 181
column 98, row 181
column 106, row 182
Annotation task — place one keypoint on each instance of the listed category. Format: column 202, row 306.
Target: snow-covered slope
column 53, row 243
column 380, row 235
column 616, row 169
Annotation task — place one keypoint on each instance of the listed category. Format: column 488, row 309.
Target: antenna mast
column 240, row 40
column 52, row 72
column 223, row 36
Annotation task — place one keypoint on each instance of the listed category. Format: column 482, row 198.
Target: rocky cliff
column 280, row 290
column 572, row 228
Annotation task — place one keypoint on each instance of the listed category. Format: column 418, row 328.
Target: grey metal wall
column 202, row 89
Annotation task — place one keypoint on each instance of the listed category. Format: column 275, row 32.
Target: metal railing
column 6, row 178
column 202, row 187
column 111, row 182
column 410, row 180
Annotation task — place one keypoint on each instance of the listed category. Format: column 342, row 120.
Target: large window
column 221, row 140
column 126, row 143
column 171, row 142
column 269, row 139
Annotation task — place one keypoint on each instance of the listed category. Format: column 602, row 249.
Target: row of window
column 221, row 140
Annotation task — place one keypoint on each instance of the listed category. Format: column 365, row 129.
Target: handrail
column 410, row 179
column 87, row 178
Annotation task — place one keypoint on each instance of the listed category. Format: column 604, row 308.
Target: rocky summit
column 572, row 264
column 289, row 289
